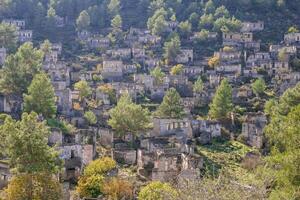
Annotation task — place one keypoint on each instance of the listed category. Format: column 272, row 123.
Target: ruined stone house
column 236, row 39
column 163, row 127
column 121, row 53
column 98, row 42
column 252, row 26
column 25, row 36
column 206, row 126
column 112, row 70
column 235, row 69
column 20, row 24
column 193, row 71
column 229, row 56
column 252, row 129
column 83, row 35
column 292, row 38
column 185, row 56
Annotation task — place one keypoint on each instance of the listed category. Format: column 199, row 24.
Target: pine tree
column 158, row 75
column 283, row 136
column 198, row 85
column 20, row 68
column 172, row 49
column 157, row 23
column 8, row 38
column 40, row 97
column 221, row 105
column 116, row 24
column 127, row 117
column 185, row 29
column 259, row 87
column 83, row 21
column 177, row 69
column 83, row 88
column 26, row 145
column 171, row 107
column 114, row 7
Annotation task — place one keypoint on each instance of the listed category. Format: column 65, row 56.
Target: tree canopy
column 172, row 106
column 259, row 86
column 26, row 144
column 40, row 97
column 221, row 105
column 198, row 85
column 158, row 75
column 33, row 186
column 128, row 117
column 157, row 23
column 83, row 21
column 172, row 48
column 20, row 68
column 283, row 134
column 114, row 7
column 83, row 88
column 8, row 36
column 158, row 190
column 177, row 69
column 91, row 183
column 90, row 117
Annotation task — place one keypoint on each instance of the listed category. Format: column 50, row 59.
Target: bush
column 118, row 189
column 90, row 117
column 158, row 190
column 65, row 127
column 91, row 183
column 97, row 78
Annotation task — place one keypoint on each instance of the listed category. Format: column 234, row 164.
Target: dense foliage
column 283, row 134
column 91, row 182
column 202, row 16
column 20, row 68
column 221, row 105
column 158, row 190
column 24, row 138
column 172, row 106
column 36, row 186
column 128, row 117
column 26, row 145
column 40, row 102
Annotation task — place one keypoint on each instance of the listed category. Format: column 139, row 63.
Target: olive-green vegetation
column 90, row 117
column 216, row 15
column 259, row 86
column 40, row 97
column 33, row 186
column 128, row 117
column 83, row 88
column 283, row 134
column 20, row 68
column 172, row 49
column 221, row 105
column 198, row 86
column 25, row 143
column 172, row 106
column 158, row 190
column 91, row 183
column 8, row 36
column 158, row 75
